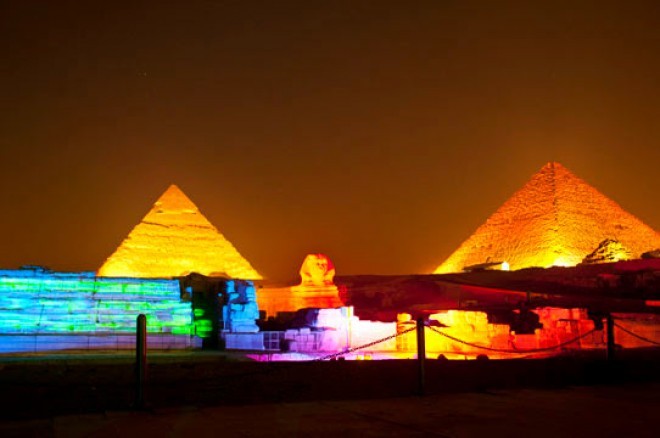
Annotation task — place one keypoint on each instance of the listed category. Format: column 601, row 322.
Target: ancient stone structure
column 41, row 310
column 317, row 271
column 653, row 254
column 608, row 251
column 316, row 289
column 555, row 219
column 175, row 239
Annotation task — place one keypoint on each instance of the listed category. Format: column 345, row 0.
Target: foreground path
column 598, row 411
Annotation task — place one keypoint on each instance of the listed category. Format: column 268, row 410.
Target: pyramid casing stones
column 175, row 239
column 555, row 219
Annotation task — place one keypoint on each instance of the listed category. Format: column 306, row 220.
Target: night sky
column 380, row 133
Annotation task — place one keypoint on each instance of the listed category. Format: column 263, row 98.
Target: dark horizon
column 379, row 133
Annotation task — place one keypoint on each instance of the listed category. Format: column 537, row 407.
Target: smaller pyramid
column 175, row 239
column 555, row 219
column 609, row 251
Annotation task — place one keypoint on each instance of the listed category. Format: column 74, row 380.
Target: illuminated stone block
column 174, row 239
column 42, row 310
column 332, row 319
column 241, row 311
column 363, row 332
column 244, row 341
column 608, row 251
column 555, row 219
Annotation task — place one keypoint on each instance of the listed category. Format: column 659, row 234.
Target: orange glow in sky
column 382, row 134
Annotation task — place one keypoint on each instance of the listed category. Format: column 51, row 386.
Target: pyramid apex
column 553, row 169
column 173, row 199
column 173, row 189
column 553, row 165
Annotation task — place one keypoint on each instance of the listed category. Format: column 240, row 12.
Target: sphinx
column 317, row 271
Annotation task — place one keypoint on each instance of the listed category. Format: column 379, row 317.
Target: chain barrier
column 360, row 347
column 636, row 335
column 237, row 377
column 387, row 338
column 502, row 350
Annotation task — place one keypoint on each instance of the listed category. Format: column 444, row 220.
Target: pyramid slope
column 175, row 239
column 555, row 219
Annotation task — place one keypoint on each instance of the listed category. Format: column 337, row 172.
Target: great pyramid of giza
column 555, row 219
column 175, row 239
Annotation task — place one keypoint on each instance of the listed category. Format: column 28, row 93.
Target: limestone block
column 330, row 341
column 245, row 328
column 244, row 341
column 330, row 318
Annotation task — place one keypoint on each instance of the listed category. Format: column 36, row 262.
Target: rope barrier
column 501, row 350
column 636, row 335
column 236, row 377
column 360, row 347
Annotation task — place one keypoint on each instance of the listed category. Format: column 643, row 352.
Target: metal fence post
column 140, row 360
column 610, row 337
column 421, row 356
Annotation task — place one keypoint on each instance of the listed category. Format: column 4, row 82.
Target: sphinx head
column 317, row 270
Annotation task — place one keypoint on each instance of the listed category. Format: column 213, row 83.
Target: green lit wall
column 35, row 301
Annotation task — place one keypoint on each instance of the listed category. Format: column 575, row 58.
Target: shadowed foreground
column 194, row 392
column 604, row 411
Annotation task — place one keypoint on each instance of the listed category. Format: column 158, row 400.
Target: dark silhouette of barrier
column 140, row 360
column 610, row 338
column 421, row 355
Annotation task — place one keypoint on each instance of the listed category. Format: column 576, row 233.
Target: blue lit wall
column 38, row 302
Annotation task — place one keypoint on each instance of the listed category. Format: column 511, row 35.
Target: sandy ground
column 598, row 411
column 216, row 394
